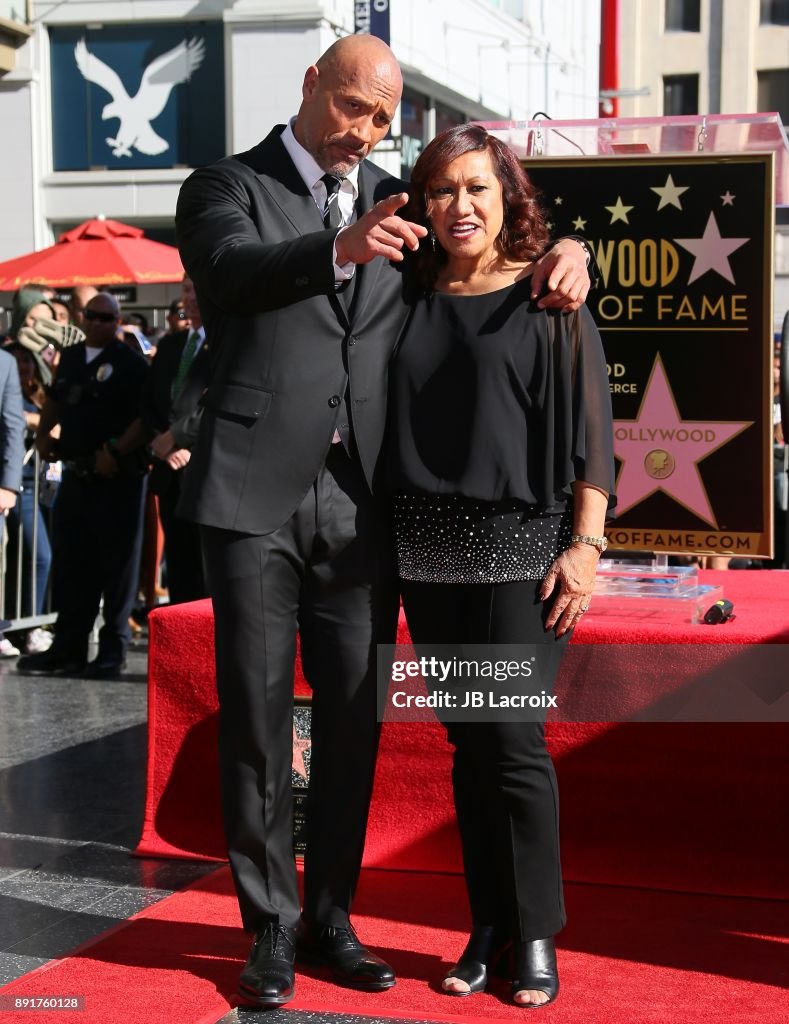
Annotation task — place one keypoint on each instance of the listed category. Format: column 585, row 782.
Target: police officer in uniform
column 97, row 529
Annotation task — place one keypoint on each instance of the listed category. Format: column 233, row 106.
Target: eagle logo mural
column 135, row 113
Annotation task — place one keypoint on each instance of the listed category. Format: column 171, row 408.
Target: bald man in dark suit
column 295, row 249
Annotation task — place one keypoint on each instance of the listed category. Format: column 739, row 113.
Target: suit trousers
column 328, row 575
column 182, row 549
column 503, row 778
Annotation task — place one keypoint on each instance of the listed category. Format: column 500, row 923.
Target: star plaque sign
column 300, row 770
column 684, row 249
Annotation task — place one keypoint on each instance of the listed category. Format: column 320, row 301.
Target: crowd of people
column 92, row 402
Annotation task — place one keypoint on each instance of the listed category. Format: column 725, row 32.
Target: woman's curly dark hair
column 523, row 236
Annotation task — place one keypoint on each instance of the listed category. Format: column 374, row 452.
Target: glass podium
column 631, row 136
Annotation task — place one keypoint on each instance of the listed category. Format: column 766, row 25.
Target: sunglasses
column 181, row 314
column 103, row 318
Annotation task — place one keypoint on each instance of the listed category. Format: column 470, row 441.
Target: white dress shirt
column 311, row 175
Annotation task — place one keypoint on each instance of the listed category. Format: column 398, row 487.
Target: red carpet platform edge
column 619, row 783
column 627, row 956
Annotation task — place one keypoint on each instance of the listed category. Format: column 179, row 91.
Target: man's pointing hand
column 380, row 232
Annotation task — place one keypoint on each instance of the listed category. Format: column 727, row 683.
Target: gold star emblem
column 669, row 193
column 579, row 224
column 619, row 211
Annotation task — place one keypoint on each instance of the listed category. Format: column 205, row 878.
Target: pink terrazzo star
column 660, row 451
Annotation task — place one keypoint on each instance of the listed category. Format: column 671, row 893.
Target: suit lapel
column 278, row 176
column 367, row 272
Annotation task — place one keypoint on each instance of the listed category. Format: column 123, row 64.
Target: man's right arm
column 224, row 255
column 231, row 265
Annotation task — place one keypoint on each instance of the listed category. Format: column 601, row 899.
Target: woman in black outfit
column 502, row 465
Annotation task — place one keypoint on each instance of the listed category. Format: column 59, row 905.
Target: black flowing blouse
column 495, row 399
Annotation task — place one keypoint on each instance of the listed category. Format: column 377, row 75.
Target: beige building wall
column 726, row 54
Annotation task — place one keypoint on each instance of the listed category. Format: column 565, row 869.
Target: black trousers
column 96, row 541
column 328, row 574
column 503, row 779
column 182, row 549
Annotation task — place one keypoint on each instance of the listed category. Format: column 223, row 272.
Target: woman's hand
column 574, row 572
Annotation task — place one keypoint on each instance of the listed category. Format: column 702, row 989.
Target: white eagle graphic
column 136, row 112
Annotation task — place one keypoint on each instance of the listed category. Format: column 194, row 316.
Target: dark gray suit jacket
column 284, row 345
column 181, row 414
column 12, row 425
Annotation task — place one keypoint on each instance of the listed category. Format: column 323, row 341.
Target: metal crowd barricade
column 20, row 614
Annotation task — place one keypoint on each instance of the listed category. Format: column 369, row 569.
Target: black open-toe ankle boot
column 535, row 968
column 484, row 949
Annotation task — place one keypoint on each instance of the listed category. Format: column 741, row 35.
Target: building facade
column 708, row 57
column 704, row 57
column 108, row 104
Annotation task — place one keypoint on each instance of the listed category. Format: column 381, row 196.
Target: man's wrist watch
column 601, row 543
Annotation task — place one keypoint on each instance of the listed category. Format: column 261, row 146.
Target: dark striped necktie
column 332, row 215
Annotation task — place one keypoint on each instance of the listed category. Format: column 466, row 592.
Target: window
column 13, row 10
column 773, row 92
column 683, row 15
column 680, row 94
column 514, row 8
column 511, row 7
column 446, row 117
column 774, row 12
column 413, row 112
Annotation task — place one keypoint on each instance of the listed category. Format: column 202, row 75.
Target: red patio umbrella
column 97, row 252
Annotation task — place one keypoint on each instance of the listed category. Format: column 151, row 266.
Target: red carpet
column 628, row 956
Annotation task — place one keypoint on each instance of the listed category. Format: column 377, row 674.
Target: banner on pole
column 371, row 17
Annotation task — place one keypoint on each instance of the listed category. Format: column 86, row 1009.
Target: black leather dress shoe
column 104, row 668
column 340, row 950
column 268, row 978
column 535, row 968
column 50, row 663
